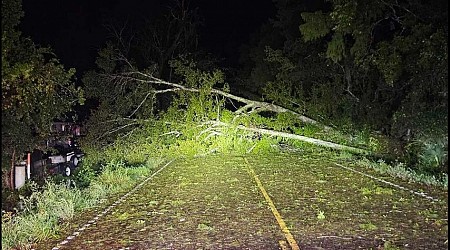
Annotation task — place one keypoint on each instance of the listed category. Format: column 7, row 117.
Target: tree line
column 376, row 65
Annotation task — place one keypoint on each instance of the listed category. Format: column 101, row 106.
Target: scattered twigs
column 176, row 133
column 250, row 149
column 117, row 129
column 140, row 104
column 333, row 236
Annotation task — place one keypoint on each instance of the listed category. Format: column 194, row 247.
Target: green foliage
column 368, row 226
column 194, row 77
column 83, row 175
column 390, row 246
column 397, row 56
column 320, row 215
column 285, row 121
column 36, row 88
column 374, row 144
column 336, row 48
column 280, row 90
column 389, row 62
column 366, row 64
column 317, row 25
column 425, row 117
column 123, row 104
column 11, row 15
column 43, row 209
column 401, row 170
column 106, row 58
column 190, row 126
column 428, row 155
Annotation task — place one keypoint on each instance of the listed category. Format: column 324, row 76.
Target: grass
column 401, row 171
column 44, row 210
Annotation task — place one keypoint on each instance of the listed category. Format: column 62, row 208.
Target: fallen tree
column 256, row 106
column 318, row 142
column 305, row 139
column 252, row 105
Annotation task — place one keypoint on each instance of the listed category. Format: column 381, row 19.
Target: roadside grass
column 44, row 210
column 401, row 171
column 396, row 169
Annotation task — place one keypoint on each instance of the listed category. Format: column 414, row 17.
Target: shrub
column 429, row 155
column 42, row 210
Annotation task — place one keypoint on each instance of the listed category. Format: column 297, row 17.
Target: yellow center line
column 287, row 234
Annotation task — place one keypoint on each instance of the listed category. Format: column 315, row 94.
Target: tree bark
column 146, row 78
column 299, row 137
column 263, row 106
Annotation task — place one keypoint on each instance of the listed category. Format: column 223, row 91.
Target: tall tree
column 172, row 34
column 36, row 89
column 377, row 63
column 404, row 42
column 149, row 48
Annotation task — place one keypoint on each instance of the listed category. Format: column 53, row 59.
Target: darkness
column 75, row 30
column 229, row 23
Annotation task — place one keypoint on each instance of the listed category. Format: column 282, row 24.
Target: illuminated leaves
column 317, row 25
column 106, row 58
column 336, row 48
column 344, row 16
column 35, row 87
column 193, row 76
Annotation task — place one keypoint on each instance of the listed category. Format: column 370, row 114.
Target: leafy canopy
column 36, row 88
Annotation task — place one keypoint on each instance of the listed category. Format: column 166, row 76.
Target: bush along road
column 281, row 201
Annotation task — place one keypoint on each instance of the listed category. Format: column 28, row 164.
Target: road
column 284, row 201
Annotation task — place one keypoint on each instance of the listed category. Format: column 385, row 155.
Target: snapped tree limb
column 260, row 106
column 296, row 137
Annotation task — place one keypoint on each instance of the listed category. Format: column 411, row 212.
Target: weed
column 368, row 226
column 123, row 216
column 321, row 215
column 204, row 227
column 390, row 246
column 42, row 210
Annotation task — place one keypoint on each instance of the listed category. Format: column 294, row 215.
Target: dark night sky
column 75, row 32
